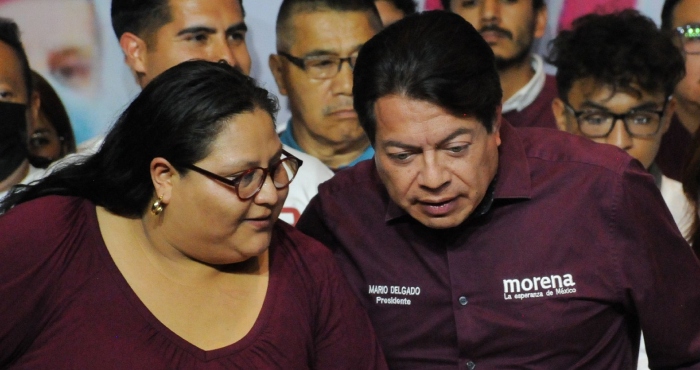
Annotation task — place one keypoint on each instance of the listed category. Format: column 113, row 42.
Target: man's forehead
column 685, row 12
column 329, row 30
column 186, row 13
column 602, row 92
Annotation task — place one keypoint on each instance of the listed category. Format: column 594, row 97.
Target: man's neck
column 689, row 114
column 332, row 154
column 15, row 177
column 515, row 77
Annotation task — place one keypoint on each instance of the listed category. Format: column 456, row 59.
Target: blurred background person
column 51, row 136
column 18, row 110
column 391, row 11
column 681, row 20
column 691, row 187
column 163, row 250
column 511, row 28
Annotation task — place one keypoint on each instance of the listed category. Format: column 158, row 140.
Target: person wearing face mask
column 17, row 109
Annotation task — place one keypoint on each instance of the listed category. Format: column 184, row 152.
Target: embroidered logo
column 395, row 291
column 539, row 286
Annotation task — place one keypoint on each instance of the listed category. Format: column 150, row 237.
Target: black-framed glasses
column 596, row 123
column 689, row 37
column 321, row 66
column 248, row 183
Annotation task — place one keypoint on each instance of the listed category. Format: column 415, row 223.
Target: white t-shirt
column 33, row 174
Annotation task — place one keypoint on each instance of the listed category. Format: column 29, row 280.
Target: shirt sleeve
column 25, row 281
column 312, row 224
column 659, row 275
column 343, row 335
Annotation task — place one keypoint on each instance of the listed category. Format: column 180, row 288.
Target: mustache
column 330, row 109
column 496, row 29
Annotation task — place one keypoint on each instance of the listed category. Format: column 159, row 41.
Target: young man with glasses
column 615, row 73
column 317, row 43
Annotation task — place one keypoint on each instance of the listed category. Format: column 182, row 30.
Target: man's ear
column 162, row 175
column 135, row 52
column 497, row 124
column 275, row 63
column 540, row 22
column 559, row 110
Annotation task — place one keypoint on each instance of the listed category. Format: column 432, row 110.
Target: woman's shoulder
column 45, row 222
column 47, row 212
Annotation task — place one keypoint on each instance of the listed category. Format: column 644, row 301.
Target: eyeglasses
column 249, row 182
column 321, row 66
column 689, row 36
column 600, row 123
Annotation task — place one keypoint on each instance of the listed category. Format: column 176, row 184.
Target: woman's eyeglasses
column 249, row 182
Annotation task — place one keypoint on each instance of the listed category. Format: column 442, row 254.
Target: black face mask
column 13, row 137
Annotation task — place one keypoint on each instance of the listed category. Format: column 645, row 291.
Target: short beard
column 503, row 64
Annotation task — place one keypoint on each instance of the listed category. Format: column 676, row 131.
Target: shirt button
column 463, row 301
column 471, row 365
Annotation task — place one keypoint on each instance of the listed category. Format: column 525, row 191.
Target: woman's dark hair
column 619, row 50
column 52, row 107
column 691, row 188
column 436, row 57
column 176, row 117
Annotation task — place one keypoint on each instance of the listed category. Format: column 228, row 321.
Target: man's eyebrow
column 196, row 29
column 642, row 106
column 238, row 27
column 324, row 52
column 460, row 131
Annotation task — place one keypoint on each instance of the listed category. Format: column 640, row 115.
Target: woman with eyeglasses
column 163, row 250
column 51, row 136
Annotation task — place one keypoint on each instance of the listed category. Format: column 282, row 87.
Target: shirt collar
column 512, row 180
column 528, row 93
column 287, row 139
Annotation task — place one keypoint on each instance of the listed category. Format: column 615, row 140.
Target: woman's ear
column 162, row 173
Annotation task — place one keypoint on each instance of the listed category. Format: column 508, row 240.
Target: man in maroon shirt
column 474, row 244
column 510, row 27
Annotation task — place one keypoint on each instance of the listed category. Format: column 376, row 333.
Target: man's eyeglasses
column 689, row 36
column 600, row 123
column 249, row 182
column 321, row 66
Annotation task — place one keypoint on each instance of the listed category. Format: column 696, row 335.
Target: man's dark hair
column 436, row 57
column 177, row 116
column 619, row 50
column 141, row 17
column 536, row 4
column 290, row 8
column 407, row 7
column 9, row 34
column 667, row 14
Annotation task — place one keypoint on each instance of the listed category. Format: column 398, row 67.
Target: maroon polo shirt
column 539, row 113
column 575, row 254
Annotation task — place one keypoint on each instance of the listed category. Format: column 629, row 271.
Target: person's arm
column 343, row 335
column 659, row 275
column 313, row 224
column 25, row 262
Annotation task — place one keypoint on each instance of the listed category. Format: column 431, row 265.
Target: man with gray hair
column 315, row 41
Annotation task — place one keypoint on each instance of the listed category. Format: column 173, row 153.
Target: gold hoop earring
column 157, row 206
